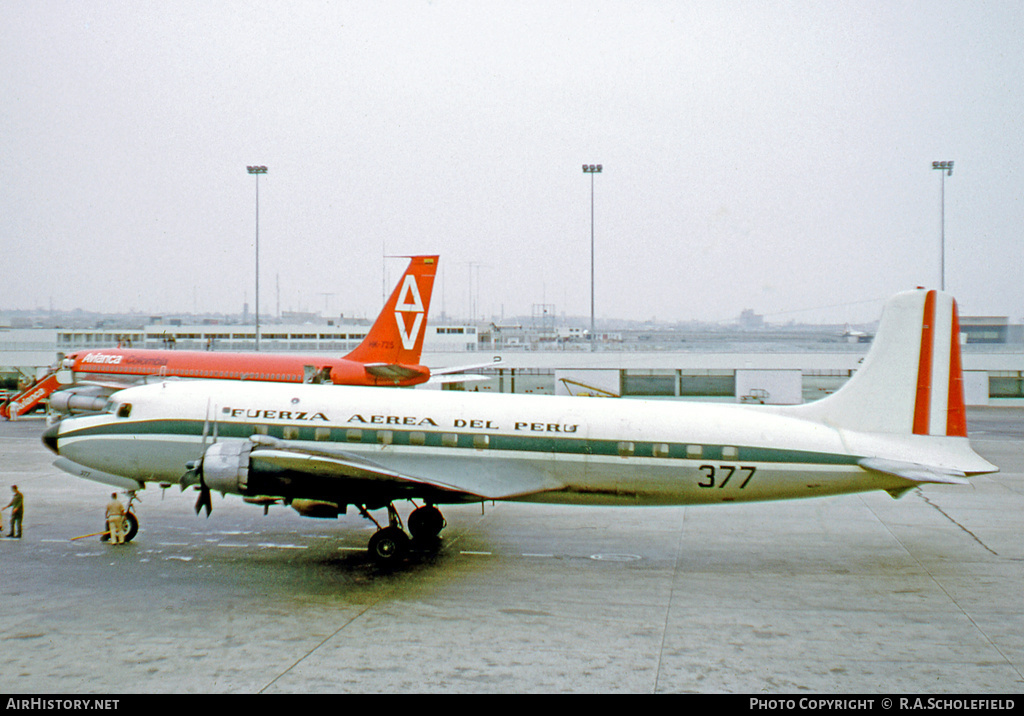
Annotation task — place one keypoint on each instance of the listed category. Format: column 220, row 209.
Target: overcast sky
column 765, row 155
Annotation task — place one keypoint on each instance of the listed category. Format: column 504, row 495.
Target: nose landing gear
column 131, row 522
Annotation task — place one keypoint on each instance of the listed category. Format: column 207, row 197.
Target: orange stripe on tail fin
column 922, row 404
column 956, row 413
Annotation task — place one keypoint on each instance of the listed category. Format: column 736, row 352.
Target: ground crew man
column 17, row 505
column 115, row 519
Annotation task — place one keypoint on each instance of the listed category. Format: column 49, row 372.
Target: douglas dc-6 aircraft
column 388, row 355
column 897, row 423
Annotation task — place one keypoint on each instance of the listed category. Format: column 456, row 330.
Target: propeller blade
column 206, row 424
column 204, row 500
column 194, row 473
column 194, row 468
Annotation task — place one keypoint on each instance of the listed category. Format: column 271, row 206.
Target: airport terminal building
column 742, row 364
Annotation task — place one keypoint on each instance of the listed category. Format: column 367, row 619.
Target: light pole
column 592, row 169
column 257, row 171
column 947, row 169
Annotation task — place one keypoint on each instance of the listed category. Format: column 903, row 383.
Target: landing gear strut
column 391, row 544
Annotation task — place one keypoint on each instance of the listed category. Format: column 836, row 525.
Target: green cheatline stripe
column 454, row 439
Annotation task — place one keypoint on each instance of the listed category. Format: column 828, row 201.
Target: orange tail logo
column 409, row 301
column 397, row 335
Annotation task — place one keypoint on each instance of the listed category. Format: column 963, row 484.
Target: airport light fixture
column 947, row 170
column 257, row 170
column 592, row 169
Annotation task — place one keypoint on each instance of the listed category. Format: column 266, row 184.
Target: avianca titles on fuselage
column 389, row 355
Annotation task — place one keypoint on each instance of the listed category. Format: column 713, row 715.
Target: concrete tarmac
column 859, row 594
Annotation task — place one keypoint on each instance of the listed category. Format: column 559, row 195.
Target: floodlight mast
column 947, row 170
column 257, row 170
column 592, row 169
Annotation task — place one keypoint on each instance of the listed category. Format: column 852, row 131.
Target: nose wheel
column 131, row 528
column 131, row 522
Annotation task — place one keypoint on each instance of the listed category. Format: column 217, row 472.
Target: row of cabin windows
column 628, row 449
column 196, row 373
column 250, row 376
column 240, row 374
column 418, row 437
column 386, row 437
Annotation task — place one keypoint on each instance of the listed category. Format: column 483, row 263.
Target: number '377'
column 721, row 475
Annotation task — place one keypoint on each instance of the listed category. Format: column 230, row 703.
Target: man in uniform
column 115, row 519
column 17, row 505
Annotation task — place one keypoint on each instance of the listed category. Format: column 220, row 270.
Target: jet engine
column 70, row 401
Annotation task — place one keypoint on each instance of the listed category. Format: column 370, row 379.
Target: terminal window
column 1006, row 384
column 707, row 383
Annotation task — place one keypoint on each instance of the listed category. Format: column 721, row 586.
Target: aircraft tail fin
column 911, row 381
column 397, row 335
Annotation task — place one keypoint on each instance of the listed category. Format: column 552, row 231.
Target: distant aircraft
column 897, row 423
column 389, row 355
column 852, row 335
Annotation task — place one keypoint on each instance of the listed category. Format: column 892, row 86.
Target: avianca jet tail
column 389, row 355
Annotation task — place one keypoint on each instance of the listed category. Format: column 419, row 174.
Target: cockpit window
column 125, row 410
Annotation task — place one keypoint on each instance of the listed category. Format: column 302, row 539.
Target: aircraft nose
column 50, row 437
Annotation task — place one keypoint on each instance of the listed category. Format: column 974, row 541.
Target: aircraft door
column 316, row 374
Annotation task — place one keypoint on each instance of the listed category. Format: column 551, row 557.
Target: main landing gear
column 390, row 545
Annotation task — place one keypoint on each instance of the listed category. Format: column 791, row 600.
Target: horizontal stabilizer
column 914, row 472
column 393, row 371
column 458, row 378
column 494, row 363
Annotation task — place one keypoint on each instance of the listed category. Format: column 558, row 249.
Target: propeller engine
column 221, row 466
column 224, row 467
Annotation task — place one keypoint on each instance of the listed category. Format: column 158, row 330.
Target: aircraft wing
column 458, row 374
column 914, row 471
column 392, row 371
column 447, row 478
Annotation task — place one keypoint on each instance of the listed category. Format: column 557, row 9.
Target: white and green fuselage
column 898, row 423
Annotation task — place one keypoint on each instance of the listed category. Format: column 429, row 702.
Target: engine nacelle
column 70, row 401
column 226, row 466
